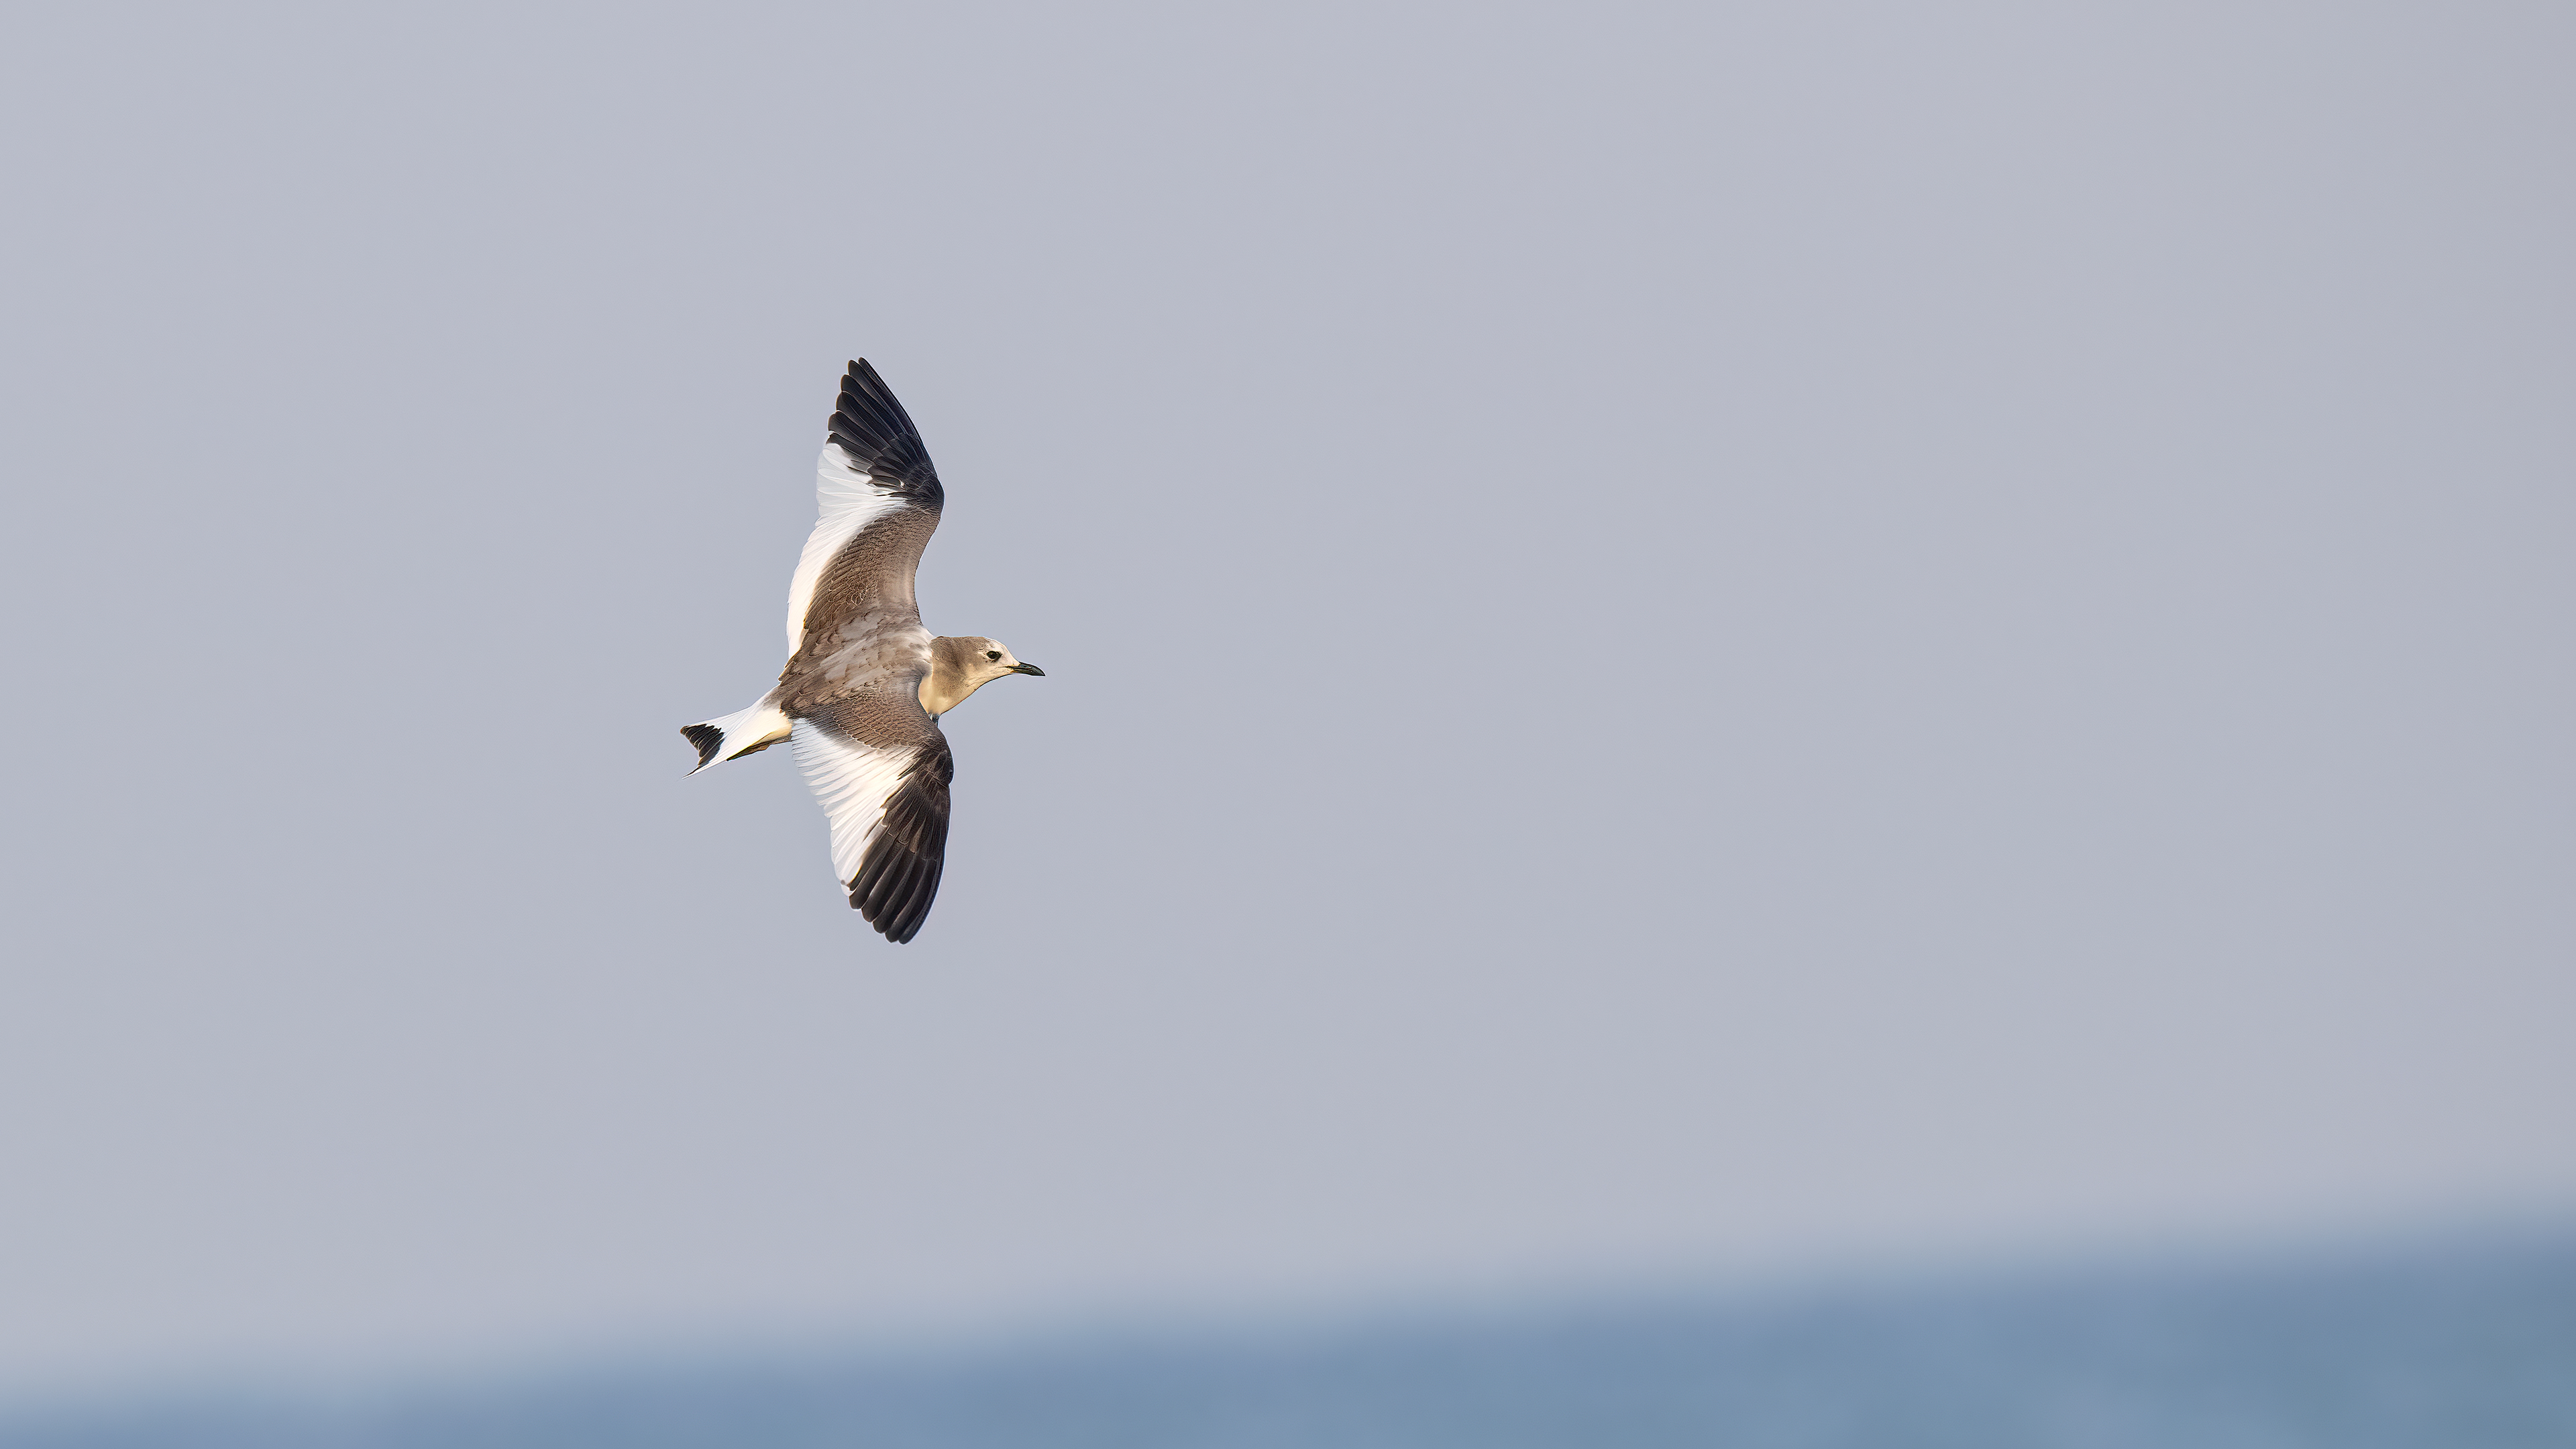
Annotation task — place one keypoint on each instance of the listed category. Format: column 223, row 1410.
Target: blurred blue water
column 2461, row 1350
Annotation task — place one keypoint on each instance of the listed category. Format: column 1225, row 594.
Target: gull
column 860, row 699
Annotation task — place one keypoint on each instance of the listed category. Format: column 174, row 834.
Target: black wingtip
column 707, row 738
column 873, row 429
column 899, row 879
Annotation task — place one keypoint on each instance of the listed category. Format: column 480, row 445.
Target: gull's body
column 865, row 683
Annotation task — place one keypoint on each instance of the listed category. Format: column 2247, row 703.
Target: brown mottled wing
column 877, row 500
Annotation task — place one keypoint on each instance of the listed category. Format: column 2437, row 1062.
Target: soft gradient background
column 1681, row 641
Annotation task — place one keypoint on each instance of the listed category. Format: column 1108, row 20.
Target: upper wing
column 874, row 476
column 887, row 799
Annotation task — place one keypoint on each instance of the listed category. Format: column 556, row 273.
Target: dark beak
column 1028, row 669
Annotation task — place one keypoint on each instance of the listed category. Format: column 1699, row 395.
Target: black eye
column 992, row 653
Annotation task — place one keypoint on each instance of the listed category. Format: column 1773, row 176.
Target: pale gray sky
column 1680, row 640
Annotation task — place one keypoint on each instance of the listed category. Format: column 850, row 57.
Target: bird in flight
column 864, row 687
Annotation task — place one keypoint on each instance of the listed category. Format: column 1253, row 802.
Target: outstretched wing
column 878, row 500
column 888, row 804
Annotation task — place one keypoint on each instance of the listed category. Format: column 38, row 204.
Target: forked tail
column 744, row 732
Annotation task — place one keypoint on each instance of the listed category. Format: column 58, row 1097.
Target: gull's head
column 963, row 663
column 990, row 659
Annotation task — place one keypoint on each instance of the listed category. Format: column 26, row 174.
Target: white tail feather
column 738, row 734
